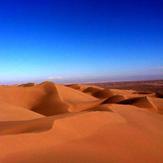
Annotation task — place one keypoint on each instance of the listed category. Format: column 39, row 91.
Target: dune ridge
column 51, row 103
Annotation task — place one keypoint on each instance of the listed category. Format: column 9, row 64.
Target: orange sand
column 51, row 123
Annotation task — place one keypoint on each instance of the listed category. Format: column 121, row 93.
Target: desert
column 51, row 122
column 81, row 81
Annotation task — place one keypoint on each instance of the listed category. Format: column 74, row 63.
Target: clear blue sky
column 80, row 40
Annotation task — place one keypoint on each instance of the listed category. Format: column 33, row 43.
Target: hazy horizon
column 80, row 41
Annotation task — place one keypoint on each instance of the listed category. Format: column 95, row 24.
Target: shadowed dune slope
column 82, row 87
column 27, row 85
column 103, row 94
column 91, row 90
column 142, row 102
column 29, row 126
column 51, row 103
column 75, row 86
column 142, row 92
column 114, row 99
column 159, row 94
column 98, row 93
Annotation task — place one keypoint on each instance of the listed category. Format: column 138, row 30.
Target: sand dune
column 91, row 90
column 27, row 85
column 114, row 99
column 48, row 123
column 21, row 96
column 80, row 100
column 51, row 103
column 29, row 126
column 98, row 93
column 142, row 102
column 75, row 86
column 10, row 112
column 78, row 96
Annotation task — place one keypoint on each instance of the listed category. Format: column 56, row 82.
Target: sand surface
column 52, row 123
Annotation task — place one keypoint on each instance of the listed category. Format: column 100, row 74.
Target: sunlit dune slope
column 9, row 112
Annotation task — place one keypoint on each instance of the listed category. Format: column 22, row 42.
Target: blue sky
column 80, row 40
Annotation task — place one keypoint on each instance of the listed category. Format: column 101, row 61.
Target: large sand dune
column 51, row 123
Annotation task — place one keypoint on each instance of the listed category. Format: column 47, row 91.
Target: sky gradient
column 80, row 40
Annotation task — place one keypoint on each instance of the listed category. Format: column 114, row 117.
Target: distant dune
column 80, row 123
